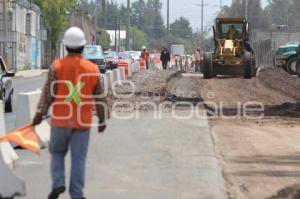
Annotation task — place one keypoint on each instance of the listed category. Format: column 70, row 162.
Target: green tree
column 257, row 17
column 54, row 12
column 139, row 39
column 181, row 27
column 284, row 12
column 104, row 39
column 137, row 14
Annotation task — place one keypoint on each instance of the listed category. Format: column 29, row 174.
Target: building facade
column 86, row 23
column 21, row 43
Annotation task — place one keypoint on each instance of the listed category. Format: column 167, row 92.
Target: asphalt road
column 142, row 158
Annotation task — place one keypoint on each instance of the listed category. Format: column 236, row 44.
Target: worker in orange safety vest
column 72, row 88
column 145, row 56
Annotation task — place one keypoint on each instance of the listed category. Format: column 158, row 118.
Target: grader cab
column 233, row 54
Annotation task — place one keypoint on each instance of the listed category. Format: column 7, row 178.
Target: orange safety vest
column 145, row 55
column 66, row 111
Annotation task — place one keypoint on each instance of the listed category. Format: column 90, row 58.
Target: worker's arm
column 47, row 97
column 102, row 109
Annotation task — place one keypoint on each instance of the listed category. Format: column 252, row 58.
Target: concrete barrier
column 117, row 78
column 8, row 153
column 122, row 73
column 129, row 68
column 159, row 66
column 138, row 67
column 10, row 185
column 110, row 79
column 132, row 67
column 104, row 83
column 135, row 67
column 26, row 108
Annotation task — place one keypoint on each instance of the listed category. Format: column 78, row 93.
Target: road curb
column 29, row 73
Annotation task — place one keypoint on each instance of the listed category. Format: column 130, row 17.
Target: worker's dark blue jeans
column 60, row 141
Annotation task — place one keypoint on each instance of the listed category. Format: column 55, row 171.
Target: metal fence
column 263, row 53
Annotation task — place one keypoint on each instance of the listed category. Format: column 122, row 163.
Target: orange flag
column 24, row 137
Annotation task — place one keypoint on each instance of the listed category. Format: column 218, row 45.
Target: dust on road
column 259, row 155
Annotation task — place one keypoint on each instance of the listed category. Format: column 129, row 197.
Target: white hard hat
column 74, row 37
column 144, row 47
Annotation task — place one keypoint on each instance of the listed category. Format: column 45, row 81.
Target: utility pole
column 221, row 6
column 128, row 26
column 104, row 13
column 246, row 9
column 96, row 21
column 119, row 37
column 202, row 5
column 168, row 16
column 4, row 30
column 116, row 27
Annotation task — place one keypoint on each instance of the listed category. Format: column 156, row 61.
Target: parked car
column 111, row 58
column 6, row 88
column 134, row 54
column 94, row 53
column 286, row 57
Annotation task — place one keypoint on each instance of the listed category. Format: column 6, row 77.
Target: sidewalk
column 140, row 159
column 30, row 73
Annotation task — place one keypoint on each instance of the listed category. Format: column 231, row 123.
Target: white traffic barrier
column 122, row 73
column 138, row 67
column 117, row 79
column 159, row 66
column 132, row 68
column 110, row 78
column 129, row 68
column 8, row 153
column 104, row 83
column 10, row 185
column 26, row 109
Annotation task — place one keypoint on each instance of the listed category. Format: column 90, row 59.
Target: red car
column 111, row 59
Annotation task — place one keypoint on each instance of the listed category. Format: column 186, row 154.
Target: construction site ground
column 254, row 124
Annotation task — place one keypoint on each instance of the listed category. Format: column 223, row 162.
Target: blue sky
column 190, row 10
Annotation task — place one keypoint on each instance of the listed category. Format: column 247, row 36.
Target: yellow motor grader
column 233, row 55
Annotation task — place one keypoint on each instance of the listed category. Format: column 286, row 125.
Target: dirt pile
column 292, row 192
column 143, row 91
column 273, row 89
column 280, row 81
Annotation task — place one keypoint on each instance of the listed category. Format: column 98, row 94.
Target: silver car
column 6, row 89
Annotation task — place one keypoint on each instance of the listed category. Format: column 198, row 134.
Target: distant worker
column 197, row 55
column 232, row 32
column 72, row 85
column 165, row 58
column 145, row 56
